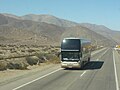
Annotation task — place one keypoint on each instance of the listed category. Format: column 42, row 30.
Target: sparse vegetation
column 20, row 57
column 32, row 60
column 17, row 63
column 3, row 65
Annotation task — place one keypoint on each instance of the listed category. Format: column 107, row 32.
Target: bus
column 75, row 52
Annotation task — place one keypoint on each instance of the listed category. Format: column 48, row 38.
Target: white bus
column 75, row 52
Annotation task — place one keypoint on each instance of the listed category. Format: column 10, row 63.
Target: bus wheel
column 82, row 65
column 89, row 59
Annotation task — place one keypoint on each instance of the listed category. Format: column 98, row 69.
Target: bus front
column 70, row 53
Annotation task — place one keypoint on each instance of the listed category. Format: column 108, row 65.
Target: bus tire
column 82, row 65
column 89, row 59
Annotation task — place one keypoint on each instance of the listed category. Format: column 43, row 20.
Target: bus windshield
column 70, row 56
column 70, row 44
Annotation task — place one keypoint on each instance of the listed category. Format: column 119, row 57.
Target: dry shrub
column 32, row 60
column 51, row 58
column 18, row 63
column 3, row 65
column 54, row 59
column 42, row 57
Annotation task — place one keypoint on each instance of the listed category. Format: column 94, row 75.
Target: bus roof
column 71, row 38
column 77, row 38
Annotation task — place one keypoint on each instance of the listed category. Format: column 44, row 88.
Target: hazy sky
column 102, row 12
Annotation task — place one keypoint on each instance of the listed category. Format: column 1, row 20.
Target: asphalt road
column 102, row 73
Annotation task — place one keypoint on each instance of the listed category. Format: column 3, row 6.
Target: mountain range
column 50, row 30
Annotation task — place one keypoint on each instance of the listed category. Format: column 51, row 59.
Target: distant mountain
column 11, row 15
column 83, row 32
column 45, row 29
column 49, row 19
column 3, row 20
column 104, row 31
column 28, row 32
column 44, row 18
column 97, row 28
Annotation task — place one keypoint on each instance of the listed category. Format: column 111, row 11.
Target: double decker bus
column 75, row 52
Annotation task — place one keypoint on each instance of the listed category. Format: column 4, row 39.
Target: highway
column 102, row 73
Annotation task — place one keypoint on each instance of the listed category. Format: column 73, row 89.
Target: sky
column 101, row 12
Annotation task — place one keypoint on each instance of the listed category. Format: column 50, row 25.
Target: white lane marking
column 102, row 55
column 116, row 77
column 82, row 73
column 36, row 79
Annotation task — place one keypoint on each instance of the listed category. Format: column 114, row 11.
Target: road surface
column 102, row 73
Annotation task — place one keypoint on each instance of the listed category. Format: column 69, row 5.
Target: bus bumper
column 70, row 65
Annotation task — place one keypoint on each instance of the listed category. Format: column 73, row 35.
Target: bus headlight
column 79, row 61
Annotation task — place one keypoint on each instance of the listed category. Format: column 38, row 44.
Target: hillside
column 49, row 19
column 28, row 32
column 104, row 31
column 44, row 18
column 83, row 32
column 45, row 29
